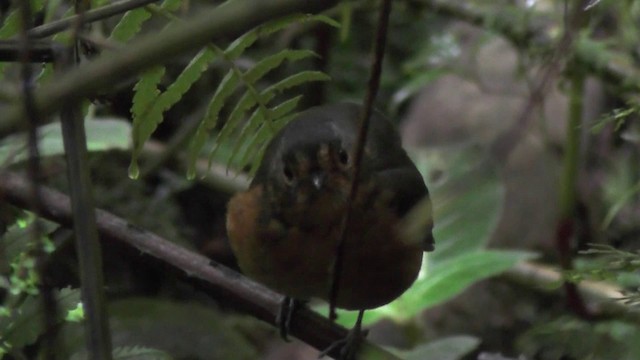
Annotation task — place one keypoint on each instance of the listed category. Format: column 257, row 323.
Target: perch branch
column 211, row 277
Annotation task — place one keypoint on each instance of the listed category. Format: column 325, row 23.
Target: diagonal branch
column 210, row 277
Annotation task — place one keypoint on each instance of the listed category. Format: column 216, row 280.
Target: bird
column 285, row 229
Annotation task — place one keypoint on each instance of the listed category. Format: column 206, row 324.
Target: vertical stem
column 379, row 45
column 97, row 335
column 565, row 231
column 571, row 162
column 33, row 168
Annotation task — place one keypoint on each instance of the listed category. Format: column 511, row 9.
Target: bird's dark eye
column 288, row 174
column 343, row 156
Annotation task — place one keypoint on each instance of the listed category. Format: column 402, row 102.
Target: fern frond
column 249, row 38
column 145, row 124
column 249, row 132
column 257, row 147
column 132, row 21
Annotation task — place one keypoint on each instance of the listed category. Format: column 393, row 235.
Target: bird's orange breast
column 297, row 260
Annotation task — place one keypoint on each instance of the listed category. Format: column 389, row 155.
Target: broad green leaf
column 451, row 277
column 130, row 353
column 186, row 330
column 102, row 134
column 467, row 195
column 449, row 348
column 442, row 283
column 139, row 353
column 25, row 325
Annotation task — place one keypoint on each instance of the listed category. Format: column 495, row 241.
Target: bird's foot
column 288, row 308
column 350, row 345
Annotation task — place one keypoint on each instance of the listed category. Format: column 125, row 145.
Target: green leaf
column 18, row 238
column 11, row 26
column 271, row 62
column 25, row 325
column 139, row 353
column 449, row 348
column 255, row 121
column 132, row 21
column 146, row 91
column 257, row 147
column 467, row 195
column 451, row 277
column 129, row 25
column 185, row 330
column 186, row 79
column 130, row 353
column 295, row 80
column 102, row 134
column 237, row 47
column 442, row 283
column 145, row 124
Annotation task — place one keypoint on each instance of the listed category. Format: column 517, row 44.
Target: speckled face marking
column 324, row 157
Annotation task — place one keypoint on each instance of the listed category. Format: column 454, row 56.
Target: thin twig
column 367, row 108
column 210, row 277
column 101, row 13
column 34, row 181
column 39, row 51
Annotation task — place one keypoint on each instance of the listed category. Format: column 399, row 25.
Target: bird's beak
column 318, row 180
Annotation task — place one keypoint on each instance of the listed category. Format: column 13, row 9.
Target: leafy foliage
column 449, row 348
column 102, row 134
column 24, row 325
column 182, row 330
column 131, row 353
column 610, row 264
column 265, row 118
column 568, row 337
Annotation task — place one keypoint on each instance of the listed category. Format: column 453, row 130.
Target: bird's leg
column 288, row 307
column 349, row 345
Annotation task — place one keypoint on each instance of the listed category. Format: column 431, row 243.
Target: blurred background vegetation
column 520, row 114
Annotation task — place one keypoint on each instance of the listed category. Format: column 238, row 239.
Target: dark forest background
column 522, row 116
